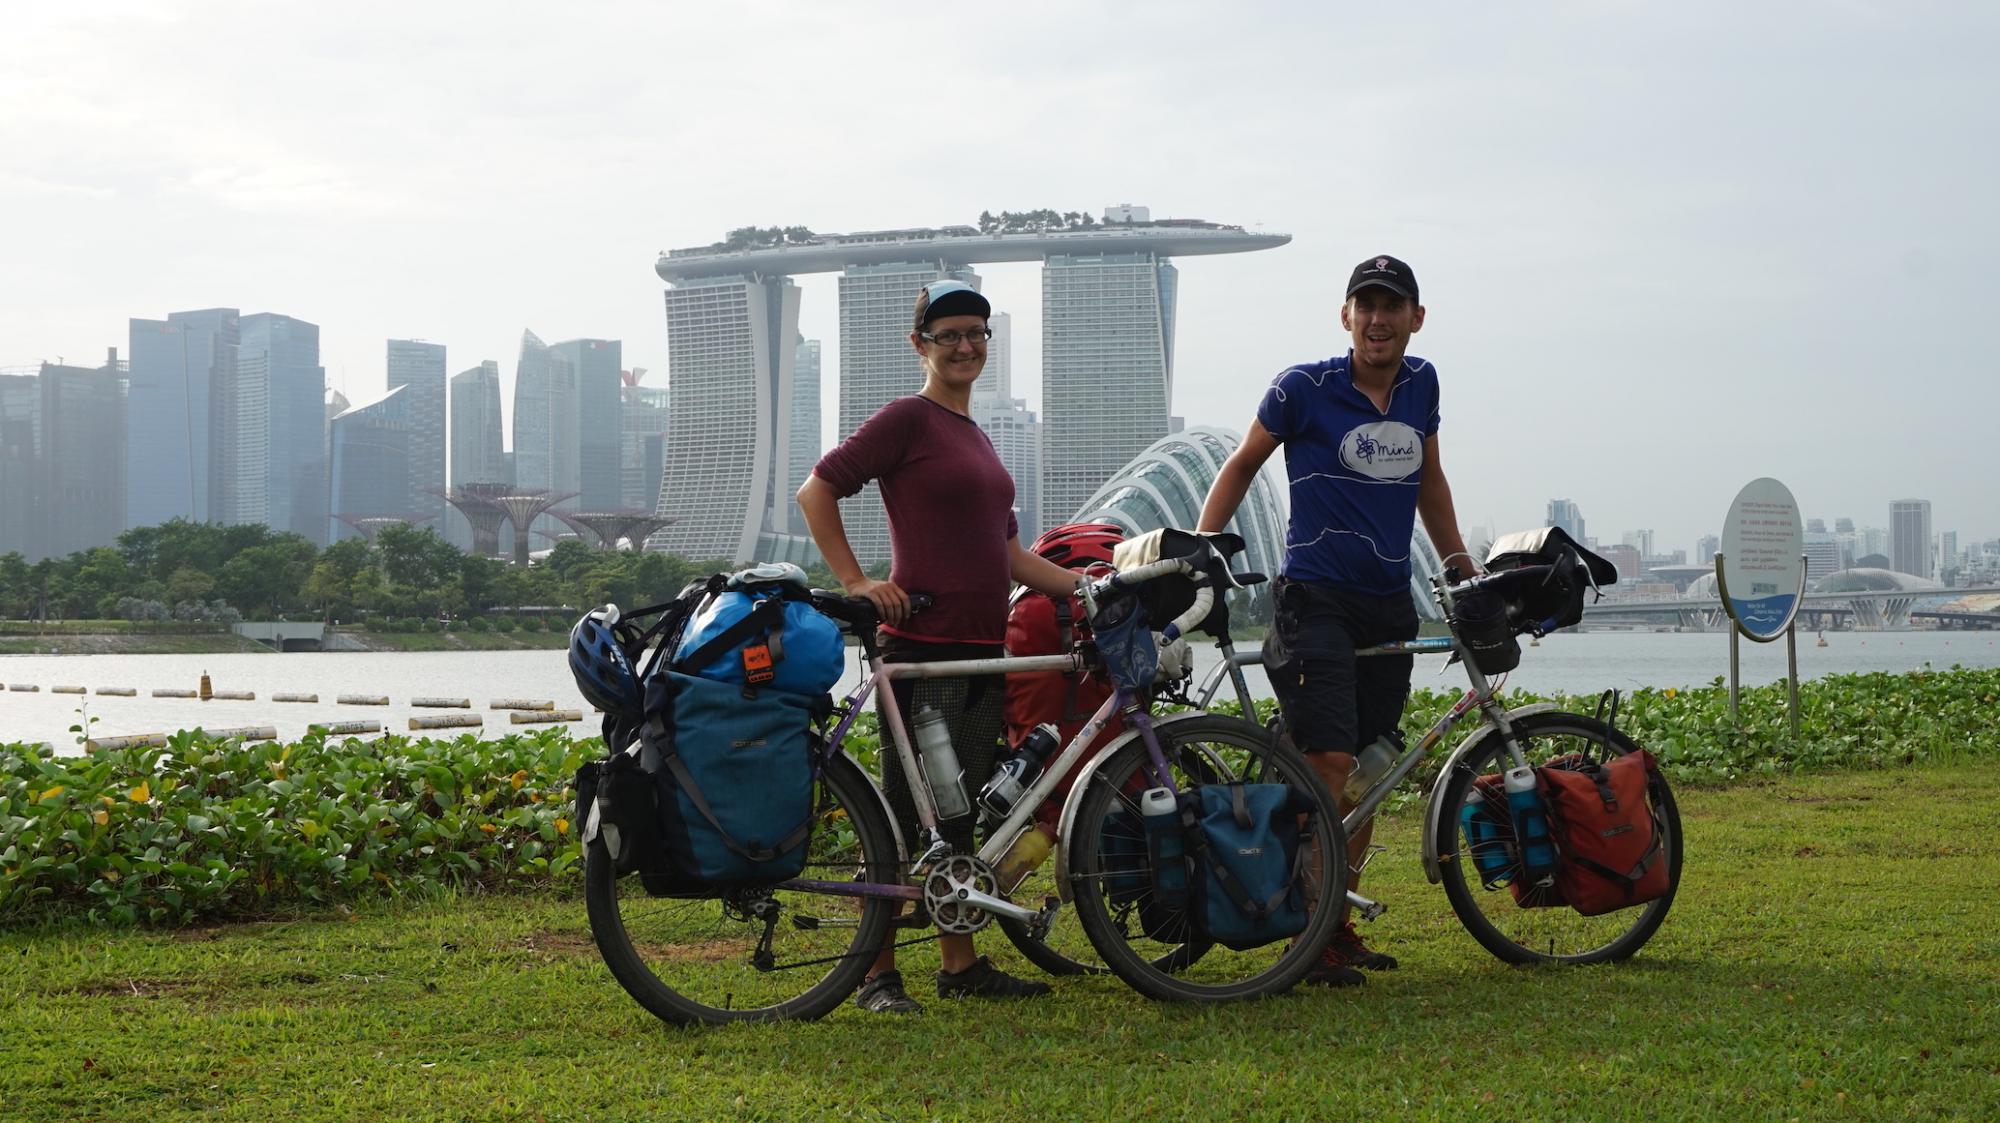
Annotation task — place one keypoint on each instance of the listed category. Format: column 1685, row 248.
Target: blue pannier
column 734, row 782
column 1247, row 879
column 763, row 637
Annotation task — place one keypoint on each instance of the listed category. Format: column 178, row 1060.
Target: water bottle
column 941, row 770
column 1161, row 813
column 1531, row 824
column 1370, row 765
column 1487, row 839
column 1029, row 850
column 1017, row 773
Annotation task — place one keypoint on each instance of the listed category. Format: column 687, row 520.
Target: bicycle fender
column 881, row 801
column 1439, row 826
column 1083, row 777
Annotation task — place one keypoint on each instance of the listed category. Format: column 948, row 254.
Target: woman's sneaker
column 884, row 994
column 983, row 980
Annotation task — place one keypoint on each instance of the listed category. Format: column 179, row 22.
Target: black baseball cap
column 950, row 298
column 1384, row 272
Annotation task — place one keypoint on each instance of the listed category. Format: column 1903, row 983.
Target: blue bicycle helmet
column 603, row 670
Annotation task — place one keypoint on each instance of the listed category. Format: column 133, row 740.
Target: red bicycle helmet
column 1079, row 545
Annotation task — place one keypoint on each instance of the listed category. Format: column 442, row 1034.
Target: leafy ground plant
column 207, row 828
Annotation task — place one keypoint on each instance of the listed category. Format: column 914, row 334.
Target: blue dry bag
column 764, row 637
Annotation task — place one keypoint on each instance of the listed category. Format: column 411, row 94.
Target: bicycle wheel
column 755, row 954
column 1111, row 880
column 1554, row 934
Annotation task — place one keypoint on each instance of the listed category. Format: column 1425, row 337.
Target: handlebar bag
column 1245, row 851
column 1165, row 598
column 1553, row 598
column 1610, row 851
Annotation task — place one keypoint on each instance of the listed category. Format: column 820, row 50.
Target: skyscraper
column 174, row 364
column 596, row 364
column 1017, row 438
column 643, row 449
column 731, row 345
column 1565, row 514
column 370, row 458
column 421, row 367
column 83, row 456
column 805, row 417
column 996, row 382
column 881, row 271
column 23, row 515
column 1910, row 536
column 277, row 365
column 477, row 454
column 1107, row 369
column 546, row 426
column 877, row 366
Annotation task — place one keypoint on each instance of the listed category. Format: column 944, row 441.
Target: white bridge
column 1886, row 608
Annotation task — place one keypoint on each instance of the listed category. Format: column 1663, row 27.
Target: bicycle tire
column 1180, row 965
column 1546, row 934
column 689, row 960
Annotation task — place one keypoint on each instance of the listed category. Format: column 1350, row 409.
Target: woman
column 952, row 534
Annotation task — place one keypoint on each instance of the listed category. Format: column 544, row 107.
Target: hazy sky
column 1665, row 248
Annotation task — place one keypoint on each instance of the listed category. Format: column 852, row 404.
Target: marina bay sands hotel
column 1108, row 309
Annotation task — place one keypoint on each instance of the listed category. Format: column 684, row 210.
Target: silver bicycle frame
column 1003, row 835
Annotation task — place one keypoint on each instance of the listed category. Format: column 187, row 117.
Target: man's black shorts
column 1332, row 700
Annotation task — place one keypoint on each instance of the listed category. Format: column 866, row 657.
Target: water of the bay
column 1575, row 663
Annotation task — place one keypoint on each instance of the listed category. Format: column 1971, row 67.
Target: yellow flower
column 487, row 828
column 100, row 817
column 1670, row 692
column 562, row 826
column 518, row 778
column 51, row 793
column 141, row 794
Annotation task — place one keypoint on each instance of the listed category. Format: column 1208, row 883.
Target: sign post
column 1761, row 575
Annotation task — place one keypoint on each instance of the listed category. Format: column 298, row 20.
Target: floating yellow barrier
column 338, row 728
column 544, row 717
column 142, row 740
column 445, row 721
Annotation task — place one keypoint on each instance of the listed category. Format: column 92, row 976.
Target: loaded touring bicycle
column 1194, row 850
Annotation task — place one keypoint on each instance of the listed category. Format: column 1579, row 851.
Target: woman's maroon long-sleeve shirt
column 951, row 514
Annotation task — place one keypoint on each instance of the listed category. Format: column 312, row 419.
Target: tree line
column 182, row 570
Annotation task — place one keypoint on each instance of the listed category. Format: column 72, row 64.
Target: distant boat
column 1822, row 640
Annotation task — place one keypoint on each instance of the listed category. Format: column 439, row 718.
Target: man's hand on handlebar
column 890, row 601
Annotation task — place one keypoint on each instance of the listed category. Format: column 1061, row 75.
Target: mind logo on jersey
column 1383, row 450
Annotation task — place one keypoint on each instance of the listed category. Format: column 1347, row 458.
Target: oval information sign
column 1762, row 572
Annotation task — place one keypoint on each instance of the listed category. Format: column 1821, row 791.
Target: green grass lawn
column 1833, row 954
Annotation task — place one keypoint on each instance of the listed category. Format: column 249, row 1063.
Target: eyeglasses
column 976, row 337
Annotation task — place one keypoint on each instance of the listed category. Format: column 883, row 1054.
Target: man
column 1361, row 451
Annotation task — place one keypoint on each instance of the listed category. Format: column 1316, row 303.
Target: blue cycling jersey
column 1354, row 470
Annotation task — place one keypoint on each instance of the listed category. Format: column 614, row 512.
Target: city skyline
column 1639, row 286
